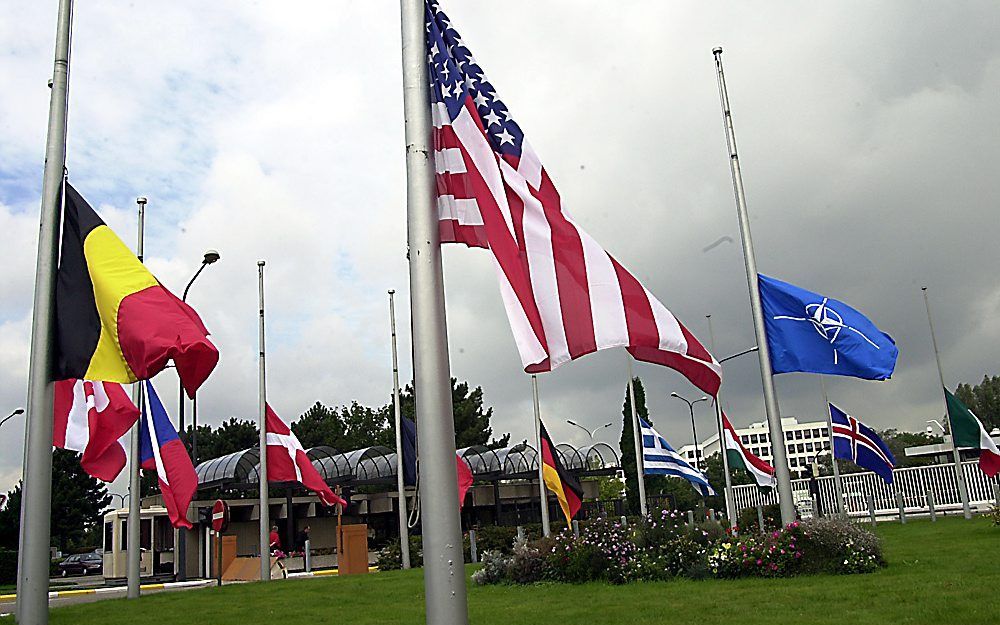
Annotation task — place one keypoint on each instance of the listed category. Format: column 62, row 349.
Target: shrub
column 8, row 567
column 994, row 515
column 493, row 570
column 748, row 523
column 837, row 545
column 526, row 564
column 390, row 557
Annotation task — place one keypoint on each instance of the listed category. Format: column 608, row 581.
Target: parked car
column 82, row 564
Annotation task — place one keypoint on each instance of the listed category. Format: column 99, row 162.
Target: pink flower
column 759, row 562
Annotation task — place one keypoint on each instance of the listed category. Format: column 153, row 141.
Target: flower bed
column 662, row 546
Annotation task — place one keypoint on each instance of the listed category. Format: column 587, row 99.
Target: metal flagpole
column 959, row 474
column 543, row 497
column 781, row 472
column 133, row 553
column 730, row 511
column 640, row 467
column 837, row 482
column 265, row 521
column 36, row 500
column 404, row 539
column 444, row 571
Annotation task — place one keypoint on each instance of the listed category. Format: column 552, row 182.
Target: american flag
column 565, row 296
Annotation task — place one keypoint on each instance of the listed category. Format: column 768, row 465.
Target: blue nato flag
column 810, row 333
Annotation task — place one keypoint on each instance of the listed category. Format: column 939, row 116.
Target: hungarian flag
column 287, row 460
column 968, row 431
column 161, row 450
column 91, row 417
column 567, row 488
column 739, row 457
column 115, row 321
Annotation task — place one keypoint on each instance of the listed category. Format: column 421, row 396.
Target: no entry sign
column 220, row 516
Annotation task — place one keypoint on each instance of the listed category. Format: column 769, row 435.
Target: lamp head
column 210, row 257
column 19, row 411
column 703, row 398
column 674, row 394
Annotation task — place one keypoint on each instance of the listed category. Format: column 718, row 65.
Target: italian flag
column 740, row 458
column 968, row 431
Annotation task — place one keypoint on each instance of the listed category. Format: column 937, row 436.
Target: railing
column 913, row 482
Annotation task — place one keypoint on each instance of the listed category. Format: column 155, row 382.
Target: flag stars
column 481, row 100
column 505, row 137
column 492, row 118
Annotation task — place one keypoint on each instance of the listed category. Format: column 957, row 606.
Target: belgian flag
column 115, row 321
column 560, row 481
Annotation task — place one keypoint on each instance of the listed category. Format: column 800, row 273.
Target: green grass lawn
column 946, row 572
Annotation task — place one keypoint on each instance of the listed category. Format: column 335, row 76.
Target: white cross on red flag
column 287, row 460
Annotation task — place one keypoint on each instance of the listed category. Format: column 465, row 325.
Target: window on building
column 794, row 462
column 800, row 448
column 763, row 438
column 109, row 529
column 798, row 435
column 788, row 436
column 745, row 439
column 816, row 432
column 124, row 535
column 826, row 432
column 809, row 446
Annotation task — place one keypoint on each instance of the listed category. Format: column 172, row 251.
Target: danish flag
column 287, row 460
column 91, row 417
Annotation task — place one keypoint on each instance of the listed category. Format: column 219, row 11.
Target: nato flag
column 814, row 334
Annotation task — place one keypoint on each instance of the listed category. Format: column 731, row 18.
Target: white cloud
column 275, row 132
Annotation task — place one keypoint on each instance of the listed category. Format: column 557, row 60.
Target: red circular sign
column 220, row 516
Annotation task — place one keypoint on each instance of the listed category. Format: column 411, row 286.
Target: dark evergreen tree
column 78, row 501
column 472, row 422
column 983, row 399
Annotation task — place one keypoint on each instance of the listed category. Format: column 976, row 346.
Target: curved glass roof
column 236, row 467
column 377, row 465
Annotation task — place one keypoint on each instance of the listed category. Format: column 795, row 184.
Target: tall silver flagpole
column 444, row 571
column 837, row 482
column 133, row 554
column 959, row 474
column 640, row 467
column 730, row 511
column 404, row 539
column 781, row 472
column 265, row 520
column 36, row 499
column 543, row 499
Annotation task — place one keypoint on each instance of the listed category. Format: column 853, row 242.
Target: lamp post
column 694, row 431
column 589, row 432
column 210, row 257
column 13, row 414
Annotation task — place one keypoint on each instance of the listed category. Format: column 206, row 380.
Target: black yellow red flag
column 115, row 321
column 566, row 487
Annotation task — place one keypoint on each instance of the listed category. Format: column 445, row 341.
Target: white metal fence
column 914, row 483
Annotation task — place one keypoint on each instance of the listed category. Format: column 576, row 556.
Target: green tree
column 472, row 421
column 320, row 425
column 78, row 501
column 627, row 447
column 10, row 519
column 983, row 400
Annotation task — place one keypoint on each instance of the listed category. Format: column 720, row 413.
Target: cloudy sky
column 867, row 135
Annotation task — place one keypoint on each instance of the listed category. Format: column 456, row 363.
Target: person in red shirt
column 275, row 540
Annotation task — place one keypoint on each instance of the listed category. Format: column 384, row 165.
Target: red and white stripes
column 565, row 296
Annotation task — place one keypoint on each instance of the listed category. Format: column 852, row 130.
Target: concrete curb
column 109, row 589
column 322, row 573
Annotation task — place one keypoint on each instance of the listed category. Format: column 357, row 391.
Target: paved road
column 7, row 605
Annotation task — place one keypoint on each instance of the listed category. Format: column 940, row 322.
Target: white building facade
column 803, row 442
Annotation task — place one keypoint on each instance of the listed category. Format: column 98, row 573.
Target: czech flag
column 161, row 449
column 567, row 488
column 115, row 321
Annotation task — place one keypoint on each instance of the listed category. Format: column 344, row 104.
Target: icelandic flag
column 659, row 458
column 811, row 333
column 855, row 441
column 165, row 453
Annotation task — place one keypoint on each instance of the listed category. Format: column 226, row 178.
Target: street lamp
column 589, row 431
column 13, row 414
column 210, row 257
column 694, row 431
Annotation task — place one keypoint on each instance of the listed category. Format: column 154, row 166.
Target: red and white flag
column 91, row 417
column 287, row 460
column 565, row 296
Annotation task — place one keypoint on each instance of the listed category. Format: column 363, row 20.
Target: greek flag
column 659, row 458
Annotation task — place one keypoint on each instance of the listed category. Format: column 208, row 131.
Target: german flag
column 566, row 487
column 115, row 321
